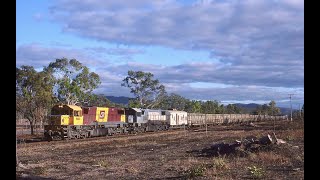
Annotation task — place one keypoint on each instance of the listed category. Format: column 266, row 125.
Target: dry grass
column 167, row 155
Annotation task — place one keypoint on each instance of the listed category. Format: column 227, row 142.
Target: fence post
column 205, row 118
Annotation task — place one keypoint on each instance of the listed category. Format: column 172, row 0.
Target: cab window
column 77, row 113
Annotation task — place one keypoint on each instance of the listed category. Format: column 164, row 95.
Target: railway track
column 43, row 141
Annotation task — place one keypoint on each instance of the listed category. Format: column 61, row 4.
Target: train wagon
column 176, row 118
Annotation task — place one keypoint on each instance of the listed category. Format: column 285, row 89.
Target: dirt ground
column 168, row 155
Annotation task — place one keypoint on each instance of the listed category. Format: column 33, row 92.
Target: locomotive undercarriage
column 59, row 132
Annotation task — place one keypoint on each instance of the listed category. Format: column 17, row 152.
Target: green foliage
column 268, row 109
column 233, row 109
column 289, row 138
column 212, row 107
column 103, row 163
column 195, row 171
column 256, row 172
column 149, row 92
column 134, row 103
column 273, row 110
column 98, row 100
column 39, row 170
column 63, row 80
column 73, row 81
column 34, row 94
column 193, row 106
column 173, row 101
column 219, row 163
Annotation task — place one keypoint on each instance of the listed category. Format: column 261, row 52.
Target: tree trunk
column 31, row 127
column 17, row 160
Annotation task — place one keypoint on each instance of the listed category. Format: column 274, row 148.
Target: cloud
column 255, row 38
column 226, row 86
column 38, row 55
column 211, row 72
column 211, row 25
column 116, row 51
column 200, row 81
column 255, row 47
column 38, row 16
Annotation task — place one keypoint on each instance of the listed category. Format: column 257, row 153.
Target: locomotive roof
column 136, row 109
column 74, row 107
column 174, row 111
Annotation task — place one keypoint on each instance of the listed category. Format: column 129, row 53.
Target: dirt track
column 166, row 155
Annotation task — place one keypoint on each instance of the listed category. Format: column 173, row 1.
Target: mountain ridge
column 247, row 107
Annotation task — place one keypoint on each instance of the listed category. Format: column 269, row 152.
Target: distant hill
column 248, row 107
column 252, row 106
column 119, row 100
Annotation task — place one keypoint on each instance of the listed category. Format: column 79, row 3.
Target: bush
column 256, row 172
column 195, row 171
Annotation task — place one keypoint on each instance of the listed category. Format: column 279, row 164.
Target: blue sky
column 232, row 51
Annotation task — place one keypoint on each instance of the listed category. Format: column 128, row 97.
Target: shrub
column 219, row 163
column 256, row 172
column 195, row 171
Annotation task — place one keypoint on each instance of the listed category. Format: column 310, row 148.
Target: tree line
column 70, row 82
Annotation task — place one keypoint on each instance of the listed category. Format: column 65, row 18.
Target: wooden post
column 274, row 123
column 17, row 160
column 205, row 118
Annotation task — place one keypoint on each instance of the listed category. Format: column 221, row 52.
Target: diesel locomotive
column 74, row 122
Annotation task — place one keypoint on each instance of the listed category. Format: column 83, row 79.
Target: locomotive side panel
column 116, row 115
column 89, row 115
column 153, row 115
column 102, row 114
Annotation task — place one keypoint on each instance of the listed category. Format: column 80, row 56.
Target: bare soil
column 168, row 155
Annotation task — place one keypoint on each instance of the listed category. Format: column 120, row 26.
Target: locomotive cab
column 66, row 115
column 61, row 120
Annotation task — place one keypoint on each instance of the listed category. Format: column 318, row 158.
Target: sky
column 244, row 51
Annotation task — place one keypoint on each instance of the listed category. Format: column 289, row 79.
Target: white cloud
column 258, row 44
column 38, row 55
column 197, row 80
column 269, row 34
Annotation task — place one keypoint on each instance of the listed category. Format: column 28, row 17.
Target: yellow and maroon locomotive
column 70, row 121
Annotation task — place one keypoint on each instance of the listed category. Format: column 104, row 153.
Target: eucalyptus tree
column 273, row 110
column 233, row 109
column 193, row 106
column 73, row 81
column 34, row 94
column 267, row 109
column 148, row 91
column 212, row 107
column 173, row 101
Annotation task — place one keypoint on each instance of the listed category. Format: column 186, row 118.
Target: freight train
column 75, row 122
